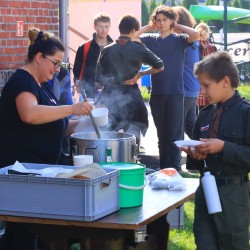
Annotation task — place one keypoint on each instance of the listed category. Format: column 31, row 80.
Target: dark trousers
column 227, row 230
column 190, row 115
column 167, row 112
column 16, row 237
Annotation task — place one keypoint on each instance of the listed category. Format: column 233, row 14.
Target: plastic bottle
column 109, row 155
column 211, row 193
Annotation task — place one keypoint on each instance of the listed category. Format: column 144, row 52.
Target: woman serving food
column 32, row 123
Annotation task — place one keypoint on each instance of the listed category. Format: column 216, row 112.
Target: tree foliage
column 144, row 13
column 187, row 3
column 173, row 3
column 212, row 2
column 245, row 4
column 165, row 2
column 152, row 6
column 237, row 4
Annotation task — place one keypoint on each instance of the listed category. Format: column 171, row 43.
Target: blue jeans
column 190, row 115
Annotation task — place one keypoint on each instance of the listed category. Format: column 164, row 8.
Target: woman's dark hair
column 128, row 23
column 218, row 65
column 44, row 42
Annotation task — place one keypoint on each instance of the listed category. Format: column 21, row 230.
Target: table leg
column 160, row 230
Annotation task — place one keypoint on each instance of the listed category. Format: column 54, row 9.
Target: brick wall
column 43, row 14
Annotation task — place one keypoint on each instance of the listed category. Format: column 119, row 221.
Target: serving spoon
column 90, row 114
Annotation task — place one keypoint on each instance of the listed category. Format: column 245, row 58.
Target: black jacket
column 234, row 129
column 90, row 65
column 120, row 61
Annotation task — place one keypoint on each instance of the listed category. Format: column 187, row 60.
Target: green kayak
column 215, row 12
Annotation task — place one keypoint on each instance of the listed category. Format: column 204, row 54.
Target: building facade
column 16, row 17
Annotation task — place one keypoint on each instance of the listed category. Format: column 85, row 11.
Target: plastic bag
column 168, row 178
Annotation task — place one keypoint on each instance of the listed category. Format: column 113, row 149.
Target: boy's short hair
column 101, row 17
column 218, row 65
column 164, row 10
column 128, row 23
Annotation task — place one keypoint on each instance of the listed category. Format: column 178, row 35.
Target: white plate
column 187, row 143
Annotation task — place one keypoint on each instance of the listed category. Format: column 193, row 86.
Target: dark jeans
column 167, row 112
column 190, row 115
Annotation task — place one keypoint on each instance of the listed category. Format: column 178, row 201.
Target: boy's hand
column 175, row 25
column 210, row 146
column 152, row 26
column 133, row 80
column 194, row 154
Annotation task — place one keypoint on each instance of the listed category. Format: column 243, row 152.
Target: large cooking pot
column 123, row 146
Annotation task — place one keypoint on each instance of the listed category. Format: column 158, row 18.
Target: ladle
column 90, row 114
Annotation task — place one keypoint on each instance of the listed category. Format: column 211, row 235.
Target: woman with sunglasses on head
column 32, row 123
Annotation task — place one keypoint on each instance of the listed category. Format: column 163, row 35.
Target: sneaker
column 142, row 150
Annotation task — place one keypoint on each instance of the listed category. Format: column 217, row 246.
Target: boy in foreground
column 224, row 127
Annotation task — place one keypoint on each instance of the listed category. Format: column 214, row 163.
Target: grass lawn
column 183, row 239
column 243, row 89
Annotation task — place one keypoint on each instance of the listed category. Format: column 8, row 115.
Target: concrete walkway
column 150, row 141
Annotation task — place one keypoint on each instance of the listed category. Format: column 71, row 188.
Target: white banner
column 240, row 49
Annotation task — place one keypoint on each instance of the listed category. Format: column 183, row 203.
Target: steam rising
column 127, row 110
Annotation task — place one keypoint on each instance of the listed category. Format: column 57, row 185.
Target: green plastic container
column 131, row 182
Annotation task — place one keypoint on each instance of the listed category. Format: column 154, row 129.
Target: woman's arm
column 32, row 113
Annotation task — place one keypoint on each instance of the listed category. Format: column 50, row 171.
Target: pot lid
column 122, row 165
column 104, row 136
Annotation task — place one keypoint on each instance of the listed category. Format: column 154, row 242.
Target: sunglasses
column 57, row 64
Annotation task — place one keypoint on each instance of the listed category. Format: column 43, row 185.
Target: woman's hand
column 82, row 108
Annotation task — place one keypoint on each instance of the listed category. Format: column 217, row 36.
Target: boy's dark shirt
column 90, row 66
column 234, row 129
column 120, row 61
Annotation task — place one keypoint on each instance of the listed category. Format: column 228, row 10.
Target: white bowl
column 82, row 160
column 101, row 116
